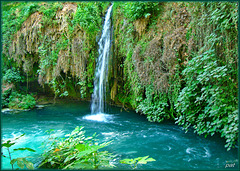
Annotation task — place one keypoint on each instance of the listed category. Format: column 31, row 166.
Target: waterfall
column 101, row 73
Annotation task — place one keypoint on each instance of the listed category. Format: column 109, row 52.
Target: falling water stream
column 99, row 94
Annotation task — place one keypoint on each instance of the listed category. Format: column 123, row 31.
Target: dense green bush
column 136, row 10
column 88, row 16
column 214, row 25
column 49, row 9
column 5, row 97
column 75, row 152
column 19, row 101
column 204, row 103
column 12, row 76
column 28, row 102
column 155, row 106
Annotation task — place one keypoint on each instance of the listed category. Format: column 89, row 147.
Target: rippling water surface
column 132, row 135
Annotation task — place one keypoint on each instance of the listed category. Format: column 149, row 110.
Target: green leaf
column 127, row 161
column 80, row 147
column 20, row 163
column 8, row 144
column 69, row 158
column 150, row 159
column 30, row 165
column 23, row 149
column 143, row 160
column 18, row 137
column 13, row 161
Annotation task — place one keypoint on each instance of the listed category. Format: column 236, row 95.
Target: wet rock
column 13, row 111
column 39, row 106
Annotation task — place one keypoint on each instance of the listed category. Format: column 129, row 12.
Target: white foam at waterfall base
column 100, row 117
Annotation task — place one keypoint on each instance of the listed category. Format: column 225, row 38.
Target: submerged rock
column 39, row 106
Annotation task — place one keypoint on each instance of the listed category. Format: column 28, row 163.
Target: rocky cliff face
column 57, row 52
column 57, row 48
column 36, row 36
column 151, row 47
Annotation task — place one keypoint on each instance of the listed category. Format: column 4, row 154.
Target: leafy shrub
column 19, row 101
column 215, row 25
column 12, row 76
column 14, row 99
column 5, row 97
column 28, row 102
column 29, row 9
column 208, row 101
column 154, row 106
column 49, row 11
column 88, row 16
column 75, row 152
column 83, row 88
column 136, row 10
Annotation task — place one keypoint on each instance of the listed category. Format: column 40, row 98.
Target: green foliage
column 59, row 87
column 75, row 152
column 224, row 15
column 64, row 94
column 132, row 83
column 49, row 11
column 12, row 76
column 139, row 160
column 174, row 90
column 205, row 93
column 83, row 89
column 21, row 161
column 5, row 97
column 208, row 101
column 13, row 15
column 90, row 71
column 20, row 101
column 136, row 10
column 88, row 16
column 48, row 57
column 28, row 102
column 216, row 28
column 155, row 106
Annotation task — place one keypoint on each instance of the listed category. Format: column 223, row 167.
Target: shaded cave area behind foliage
column 169, row 60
